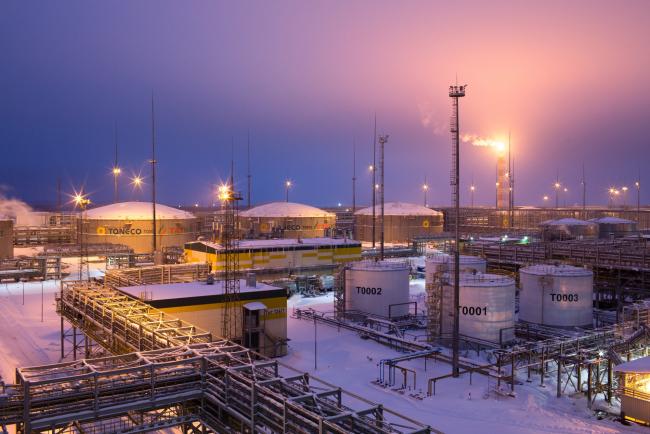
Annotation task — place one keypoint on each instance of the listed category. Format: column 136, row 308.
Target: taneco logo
column 125, row 230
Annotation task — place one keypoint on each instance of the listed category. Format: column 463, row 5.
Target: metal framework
column 621, row 267
column 176, row 377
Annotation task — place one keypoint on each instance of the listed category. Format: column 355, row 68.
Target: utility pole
column 374, row 184
column 557, row 189
column 425, row 191
column 153, row 175
column 383, row 139
column 354, row 176
column 584, row 193
column 510, row 204
column 116, row 170
column 248, row 176
column 637, row 184
column 456, row 92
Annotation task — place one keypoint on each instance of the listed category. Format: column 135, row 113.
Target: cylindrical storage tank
column 6, row 238
column 402, row 222
column 444, row 263
column 615, row 227
column 568, row 229
column 378, row 287
column 131, row 224
column 556, row 295
column 487, row 308
column 286, row 220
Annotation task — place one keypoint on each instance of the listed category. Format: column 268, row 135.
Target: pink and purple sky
column 569, row 79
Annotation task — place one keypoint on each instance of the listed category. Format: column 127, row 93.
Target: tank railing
column 383, row 265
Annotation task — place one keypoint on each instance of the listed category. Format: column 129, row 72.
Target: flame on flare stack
column 502, row 176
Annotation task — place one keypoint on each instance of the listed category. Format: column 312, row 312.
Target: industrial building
column 286, row 220
column 6, row 238
column 568, row 228
column 527, row 219
column 634, row 385
column 279, row 254
column 402, row 222
column 263, row 316
column 615, row 227
column 131, row 224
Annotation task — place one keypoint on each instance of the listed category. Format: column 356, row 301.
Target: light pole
column 373, row 191
column 425, row 190
column 557, row 193
column 136, row 183
column 116, row 173
column 637, row 184
column 81, row 201
column 566, row 191
column 545, row 201
column 472, row 188
column 624, row 188
column 287, row 185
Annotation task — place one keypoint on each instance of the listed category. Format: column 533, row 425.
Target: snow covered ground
column 343, row 359
column 457, row 407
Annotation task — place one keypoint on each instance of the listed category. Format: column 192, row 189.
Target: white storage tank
column 487, row 308
column 442, row 262
column 378, row 287
column 556, row 295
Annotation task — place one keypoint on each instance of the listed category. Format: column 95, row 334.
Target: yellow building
column 260, row 314
column 634, row 389
column 282, row 254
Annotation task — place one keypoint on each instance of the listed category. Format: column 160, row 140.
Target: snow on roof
column 555, row 270
column 136, row 211
column 285, row 209
column 641, row 365
column 400, row 208
column 611, row 220
column 568, row 221
column 255, row 305
column 169, row 291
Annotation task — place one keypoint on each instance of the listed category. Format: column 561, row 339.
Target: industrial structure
column 164, row 372
column 568, row 228
column 380, row 288
column 263, row 309
column 486, row 308
column 286, row 220
column 556, row 295
column 634, row 386
column 131, row 224
column 527, row 220
column 402, row 222
column 6, row 238
column 278, row 255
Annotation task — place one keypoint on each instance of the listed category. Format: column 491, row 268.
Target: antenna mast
column 374, row 183
column 584, row 192
column 456, row 92
column 383, row 139
column 354, row 175
column 248, row 176
column 153, row 173
column 116, row 169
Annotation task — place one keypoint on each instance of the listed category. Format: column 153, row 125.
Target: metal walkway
column 177, row 378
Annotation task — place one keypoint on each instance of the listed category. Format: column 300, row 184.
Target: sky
column 567, row 79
